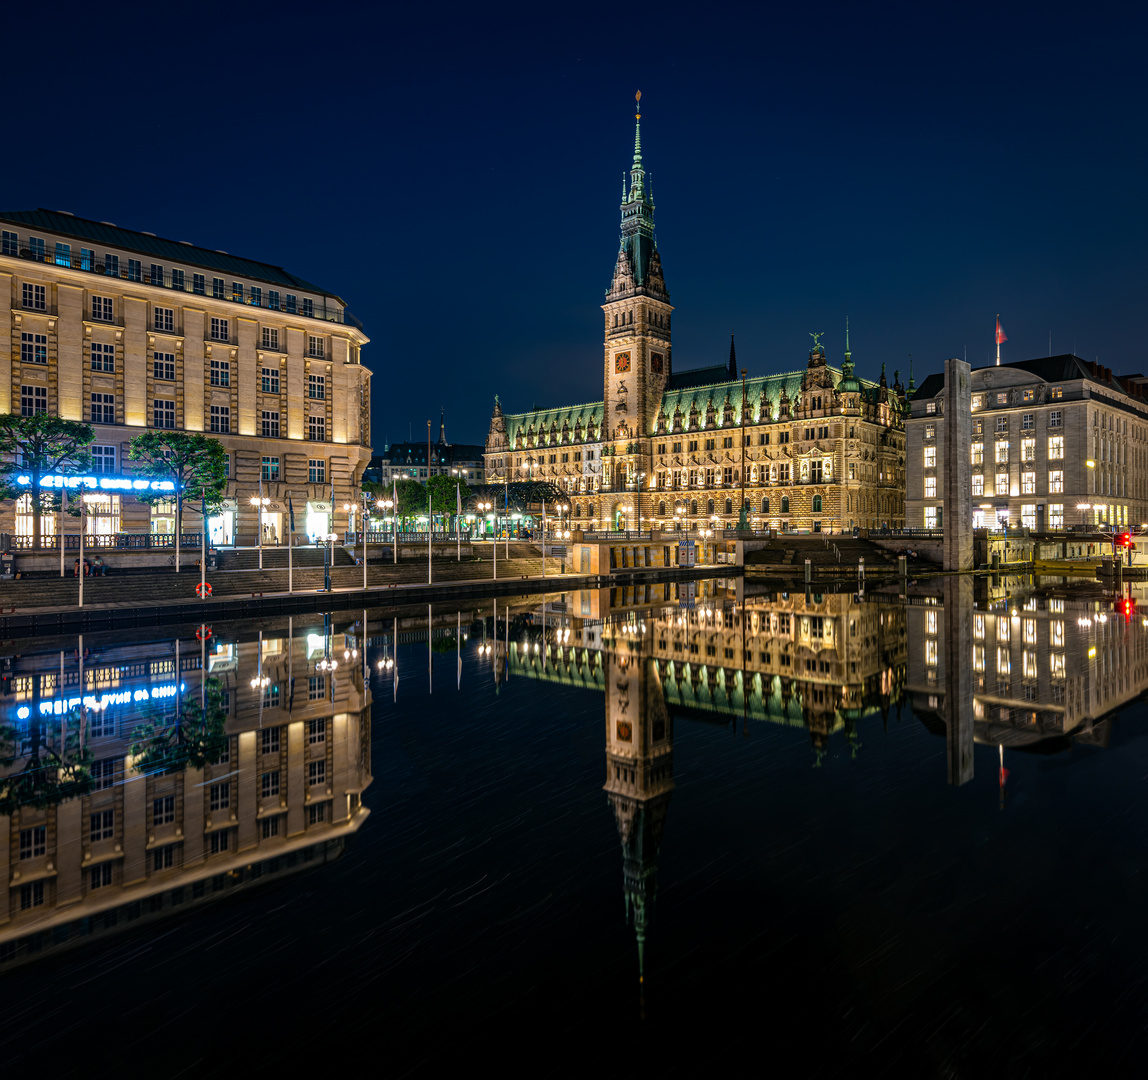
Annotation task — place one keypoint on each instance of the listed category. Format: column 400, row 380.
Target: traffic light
column 1125, row 607
column 1126, row 540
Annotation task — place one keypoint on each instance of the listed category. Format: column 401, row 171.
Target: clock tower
column 636, row 355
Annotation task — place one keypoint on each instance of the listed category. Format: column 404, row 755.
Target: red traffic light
column 1126, row 540
column 1125, row 607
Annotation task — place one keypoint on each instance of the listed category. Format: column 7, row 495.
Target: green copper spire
column 911, row 389
column 848, row 383
column 638, row 264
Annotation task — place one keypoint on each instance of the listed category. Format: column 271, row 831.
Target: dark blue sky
column 454, row 172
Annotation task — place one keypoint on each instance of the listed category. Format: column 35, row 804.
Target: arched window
column 817, row 504
column 631, row 318
column 662, row 508
column 729, row 506
column 577, row 510
column 785, row 504
column 710, row 507
column 765, row 506
column 693, row 506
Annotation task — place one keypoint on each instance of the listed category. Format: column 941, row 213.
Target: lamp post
column 638, row 500
column 328, row 558
column 259, row 502
column 483, row 508
column 385, row 505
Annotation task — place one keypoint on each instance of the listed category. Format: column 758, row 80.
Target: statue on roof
column 817, row 340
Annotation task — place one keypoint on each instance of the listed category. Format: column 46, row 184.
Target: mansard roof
column 692, row 392
column 543, row 419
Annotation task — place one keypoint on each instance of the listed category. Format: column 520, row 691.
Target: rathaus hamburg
column 814, row 449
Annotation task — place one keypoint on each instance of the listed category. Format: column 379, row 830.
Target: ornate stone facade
column 811, row 449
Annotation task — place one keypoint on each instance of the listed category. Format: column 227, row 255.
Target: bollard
column 1119, row 567
column 996, row 560
column 808, row 570
column 903, row 565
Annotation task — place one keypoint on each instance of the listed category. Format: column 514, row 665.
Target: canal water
column 649, row 829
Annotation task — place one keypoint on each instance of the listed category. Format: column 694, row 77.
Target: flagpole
column 290, row 544
column 458, row 518
column 998, row 340
column 203, row 556
column 395, row 521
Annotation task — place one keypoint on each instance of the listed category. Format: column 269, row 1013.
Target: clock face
column 621, row 362
column 656, row 363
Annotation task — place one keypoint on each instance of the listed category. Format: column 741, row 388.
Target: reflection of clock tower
column 637, row 347
column 639, row 773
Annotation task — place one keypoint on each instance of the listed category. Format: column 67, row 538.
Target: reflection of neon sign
column 101, row 483
column 98, row 704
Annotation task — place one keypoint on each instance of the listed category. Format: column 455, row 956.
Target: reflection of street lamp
column 259, row 502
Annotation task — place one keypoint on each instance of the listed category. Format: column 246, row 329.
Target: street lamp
column 485, row 507
column 328, row 558
column 259, row 502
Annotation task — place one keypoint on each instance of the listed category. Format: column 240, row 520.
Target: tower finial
column 638, row 130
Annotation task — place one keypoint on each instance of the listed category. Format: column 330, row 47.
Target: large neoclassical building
column 818, row 447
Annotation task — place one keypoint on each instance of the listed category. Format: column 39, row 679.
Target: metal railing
column 182, row 281
column 120, row 541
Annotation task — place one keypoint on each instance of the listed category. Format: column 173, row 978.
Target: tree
column 442, row 493
column 39, row 446
column 412, row 499
column 50, row 774
column 189, row 738
column 195, row 463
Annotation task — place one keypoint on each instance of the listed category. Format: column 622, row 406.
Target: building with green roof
column 814, row 448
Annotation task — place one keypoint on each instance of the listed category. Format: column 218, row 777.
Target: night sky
column 454, row 173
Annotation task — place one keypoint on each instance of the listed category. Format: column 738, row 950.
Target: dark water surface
column 743, row 831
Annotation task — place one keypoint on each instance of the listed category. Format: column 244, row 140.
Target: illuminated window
column 978, row 484
column 1029, row 630
column 978, row 658
column 930, row 487
column 978, row 453
column 978, row 401
column 1056, row 448
column 1002, row 452
column 1028, row 515
column 1028, row 483
column 930, row 457
column 1004, row 662
column 1056, row 665
column 1028, row 449
column 1055, row 482
column 1001, row 484
column 1056, row 516
column 1056, row 634
column 979, row 627
column 1029, row 664
column 1003, row 628
column 930, row 622
column 24, row 519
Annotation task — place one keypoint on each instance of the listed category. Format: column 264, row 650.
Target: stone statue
column 817, row 339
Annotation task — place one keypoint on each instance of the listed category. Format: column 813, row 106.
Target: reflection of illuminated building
column 662, row 652
column 1041, row 671
column 639, row 772
column 112, row 814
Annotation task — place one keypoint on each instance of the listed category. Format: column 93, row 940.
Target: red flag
column 1001, row 338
